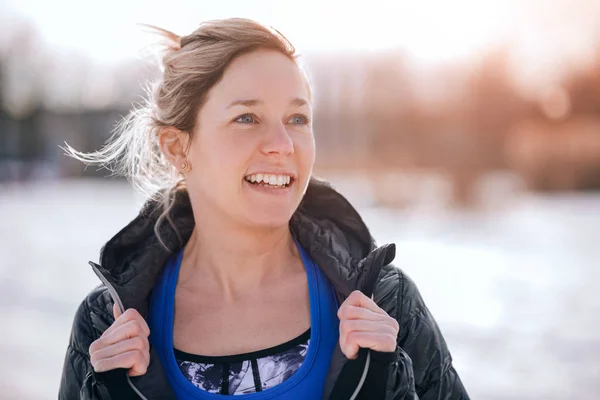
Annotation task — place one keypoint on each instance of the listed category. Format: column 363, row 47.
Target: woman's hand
column 364, row 324
column 123, row 345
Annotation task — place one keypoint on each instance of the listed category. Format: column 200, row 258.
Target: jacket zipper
column 117, row 300
column 363, row 377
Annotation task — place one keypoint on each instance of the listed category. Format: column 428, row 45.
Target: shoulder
column 397, row 294
column 92, row 318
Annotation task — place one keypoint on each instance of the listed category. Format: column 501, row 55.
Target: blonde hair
column 191, row 66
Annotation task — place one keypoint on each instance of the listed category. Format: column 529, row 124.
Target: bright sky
column 429, row 30
column 544, row 34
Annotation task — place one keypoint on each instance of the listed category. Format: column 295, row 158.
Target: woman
column 242, row 274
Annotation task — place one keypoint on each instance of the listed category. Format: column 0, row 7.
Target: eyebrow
column 299, row 102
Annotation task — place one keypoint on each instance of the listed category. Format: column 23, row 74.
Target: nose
column 277, row 141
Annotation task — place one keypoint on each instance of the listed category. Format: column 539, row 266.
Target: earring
column 185, row 166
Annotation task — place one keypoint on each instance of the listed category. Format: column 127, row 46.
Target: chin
column 269, row 218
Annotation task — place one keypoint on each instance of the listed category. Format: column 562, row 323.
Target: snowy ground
column 514, row 290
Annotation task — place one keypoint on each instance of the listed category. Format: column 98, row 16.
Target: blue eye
column 245, row 119
column 299, row 120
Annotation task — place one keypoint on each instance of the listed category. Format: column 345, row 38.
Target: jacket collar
column 325, row 224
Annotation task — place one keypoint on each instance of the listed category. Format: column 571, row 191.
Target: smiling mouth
column 270, row 180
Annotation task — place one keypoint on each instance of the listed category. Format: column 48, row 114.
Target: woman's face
column 255, row 127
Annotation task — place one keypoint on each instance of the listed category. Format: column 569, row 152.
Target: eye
column 246, row 119
column 299, row 119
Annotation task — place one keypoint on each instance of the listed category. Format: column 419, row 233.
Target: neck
column 229, row 260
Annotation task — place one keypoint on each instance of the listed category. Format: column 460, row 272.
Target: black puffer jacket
column 333, row 233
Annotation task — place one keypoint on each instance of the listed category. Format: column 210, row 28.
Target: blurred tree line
column 374, row 113
column 463, row 121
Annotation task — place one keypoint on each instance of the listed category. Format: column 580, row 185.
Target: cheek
column 220, row 153
column 305, row 148
column 213, row 172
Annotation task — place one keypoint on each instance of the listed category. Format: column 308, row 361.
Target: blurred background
column 465, row 131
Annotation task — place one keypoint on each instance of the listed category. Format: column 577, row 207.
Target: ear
column 173, row 144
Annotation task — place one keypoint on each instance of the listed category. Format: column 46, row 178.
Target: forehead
column 263, row 74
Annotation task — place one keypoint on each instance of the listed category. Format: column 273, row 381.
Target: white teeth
column 273, row 180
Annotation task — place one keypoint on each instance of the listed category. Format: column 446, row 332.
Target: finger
column 369, row 340
column 116, row 312
column 358, row 299
column 350, row 350
column 129, row 315
column 348, row 327
column 136, row 343
column 355, row 312
column 131, row 329
column 358, row 325
column 118, row 321
column 133, row 360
